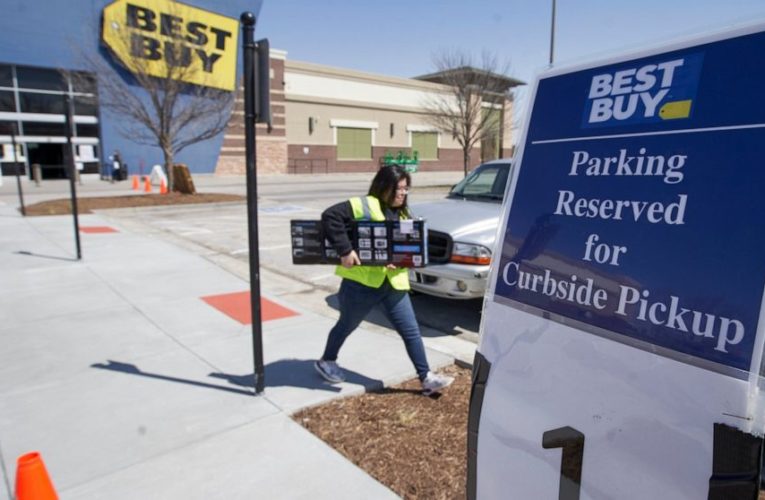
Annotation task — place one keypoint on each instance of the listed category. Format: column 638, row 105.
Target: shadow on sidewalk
column 286, row 372
column 42, row 256
column 131, row 369
column 299, row 373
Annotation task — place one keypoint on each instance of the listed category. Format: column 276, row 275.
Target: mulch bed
column 86, row 205
column 413, row 444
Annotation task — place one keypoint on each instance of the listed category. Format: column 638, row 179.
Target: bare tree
column 464, row 110
column 162, row 111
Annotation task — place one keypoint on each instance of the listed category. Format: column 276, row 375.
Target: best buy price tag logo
column 650, row 93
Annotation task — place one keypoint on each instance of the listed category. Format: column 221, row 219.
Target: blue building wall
column 53, row 34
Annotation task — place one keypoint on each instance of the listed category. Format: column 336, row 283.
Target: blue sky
column 399, row 37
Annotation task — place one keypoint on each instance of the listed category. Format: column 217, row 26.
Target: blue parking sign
column 638, row 206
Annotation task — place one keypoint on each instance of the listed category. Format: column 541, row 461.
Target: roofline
column 511, row 82
column 351, row 74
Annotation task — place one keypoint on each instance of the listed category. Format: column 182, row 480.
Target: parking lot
column 220, row 232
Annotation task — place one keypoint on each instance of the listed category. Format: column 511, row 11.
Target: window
column 40, row 128
column 87, row 152
column 38, row 78
column 482, row 182
column 7, row 103
column 487, row 183
column 85, row 106
column 6, row 152
column 83, row 82
column 6, row 77
column 354, row 144
column 87, row 130
column 426, row 145
column 41, row 103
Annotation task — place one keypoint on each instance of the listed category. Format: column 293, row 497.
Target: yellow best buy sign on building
column 170, row 39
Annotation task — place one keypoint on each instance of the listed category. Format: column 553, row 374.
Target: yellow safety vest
column 368, row 208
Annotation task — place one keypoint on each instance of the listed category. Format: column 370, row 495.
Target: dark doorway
column 50, row 157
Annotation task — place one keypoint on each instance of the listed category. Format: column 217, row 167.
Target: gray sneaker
column 434, row 383
column 330, row 371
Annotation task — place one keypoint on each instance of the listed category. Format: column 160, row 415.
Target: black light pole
column 69, row 154
column 248, row 44
column 16, row 162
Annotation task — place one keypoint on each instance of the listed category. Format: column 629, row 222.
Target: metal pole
column 16, row 164
column 552, row 33
column 69, row 153
column 248, row 45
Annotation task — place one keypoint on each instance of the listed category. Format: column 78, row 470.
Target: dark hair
column 386, row 181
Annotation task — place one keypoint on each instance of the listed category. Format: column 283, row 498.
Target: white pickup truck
column 461, row 233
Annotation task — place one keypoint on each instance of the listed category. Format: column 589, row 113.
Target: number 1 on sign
column 572, row 442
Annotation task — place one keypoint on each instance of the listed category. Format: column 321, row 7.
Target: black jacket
column 336, row 221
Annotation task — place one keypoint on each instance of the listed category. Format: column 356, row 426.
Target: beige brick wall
column 290, row 147
column 230, row 165
column 272, row 158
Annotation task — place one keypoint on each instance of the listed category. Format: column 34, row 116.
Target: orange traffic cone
column 32, row 481
column 162, row 187
column 135, row 183
column 147, row 185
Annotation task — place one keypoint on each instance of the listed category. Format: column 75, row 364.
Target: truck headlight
column 465, row 253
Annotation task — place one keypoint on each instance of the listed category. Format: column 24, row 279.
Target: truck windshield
column 485, row 183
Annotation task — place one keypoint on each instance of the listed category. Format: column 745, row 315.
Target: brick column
column 272, row 146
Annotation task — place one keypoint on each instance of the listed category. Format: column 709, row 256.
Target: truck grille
column 439, row 247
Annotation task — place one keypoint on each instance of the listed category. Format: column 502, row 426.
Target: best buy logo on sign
column 169, row 39
column 649, row 93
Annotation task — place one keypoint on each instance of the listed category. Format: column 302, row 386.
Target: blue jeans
column 356, row 300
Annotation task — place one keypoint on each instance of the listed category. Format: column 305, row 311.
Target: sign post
column 256, row 109
column 16, row 165
column 624, row 322
column 72, row 171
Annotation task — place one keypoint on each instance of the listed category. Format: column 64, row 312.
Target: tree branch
column 461, row 109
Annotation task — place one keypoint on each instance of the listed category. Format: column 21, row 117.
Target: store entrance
column 50, row 157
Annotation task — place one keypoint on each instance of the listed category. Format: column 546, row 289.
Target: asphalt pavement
column 131, row 370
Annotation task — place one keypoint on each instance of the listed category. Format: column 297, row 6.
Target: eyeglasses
column 404, row 190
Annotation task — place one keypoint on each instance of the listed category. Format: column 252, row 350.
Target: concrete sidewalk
column 131, row 372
